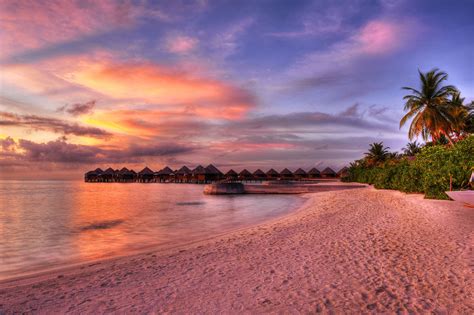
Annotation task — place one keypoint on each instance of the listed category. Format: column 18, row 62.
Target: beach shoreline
column 362, row 250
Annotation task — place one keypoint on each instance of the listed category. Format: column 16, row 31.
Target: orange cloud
column 153, row 84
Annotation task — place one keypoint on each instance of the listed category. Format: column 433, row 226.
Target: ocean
column 50, row 224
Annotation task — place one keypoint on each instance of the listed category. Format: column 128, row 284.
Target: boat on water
column 465, row 196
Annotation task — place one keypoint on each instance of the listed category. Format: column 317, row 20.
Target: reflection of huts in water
column 300, row 173
column 259, row 175
column 93, row 176
column 328, row 173
column 343, row 172
column 124, row 175
column 245, row 175
column 213, row 173
column 314, row 173
column 231, row 175
column 146, row 175
column 183, row 175
column 272, row 174
column 164, row 175
column 286, row 174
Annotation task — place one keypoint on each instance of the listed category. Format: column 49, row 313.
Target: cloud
column 150, row 83
column 60, row 151
column 55, row 125
column 343, row 62
column 226, row 43
column 78, row 108
column 181, row 44
column 32, row 25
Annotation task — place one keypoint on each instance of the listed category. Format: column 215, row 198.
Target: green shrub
column 428, row 173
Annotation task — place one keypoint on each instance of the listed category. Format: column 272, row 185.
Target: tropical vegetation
column 441, row 118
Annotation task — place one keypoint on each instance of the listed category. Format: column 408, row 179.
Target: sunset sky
column 87, row 84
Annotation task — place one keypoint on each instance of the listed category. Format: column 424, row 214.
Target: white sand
column 354, row 251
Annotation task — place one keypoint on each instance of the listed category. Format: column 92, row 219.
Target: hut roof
column 199, row 170
column 146, row 171
column 165, row 171
column 91, row 173
column 184, row 171
column 300, row 171
column 343, row 170
column 109, row 171
column 133, row 172
column 98, row 170
column 124, row 170
column 272, row 172
column 314, row 171
column 211, row 169
column 328, row 171
column 286, row 172
column 259, row 172
column 245, row 172
column 231, row 172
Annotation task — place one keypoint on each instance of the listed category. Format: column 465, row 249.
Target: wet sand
column 354, row 251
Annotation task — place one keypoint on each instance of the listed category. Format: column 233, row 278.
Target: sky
column 241, row 84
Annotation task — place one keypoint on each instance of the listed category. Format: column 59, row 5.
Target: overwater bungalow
column 259, row 175
column 199, row 174
column 164, row 175
column 328, row 173
column 272, row 174
column 93, row 176
column 245, row 175
column 231, row 175
column 183, row 175
column 300, row 173
column 286, row 174
column 108, row 175
column 146, row 175
column 343, row 172
column 213, row 173
column 124, row 175
column 314, row 173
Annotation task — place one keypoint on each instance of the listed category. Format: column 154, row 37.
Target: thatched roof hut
column 314, row 172
column 183, row 171
column 300, row 173
column 145, row 171
column 272, row 173
column 165, row 171
column 343, row 172
column 109, row 172
column 98, row 171
column 199, row 170
column 245, row 175
column 328, row 172
column 259, row 174
column 211, row 169
column 286, row 173
column 231, row 174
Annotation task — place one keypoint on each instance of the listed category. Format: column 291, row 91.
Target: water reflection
column 52, row 223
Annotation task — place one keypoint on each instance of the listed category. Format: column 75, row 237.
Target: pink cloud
column 181, row 44
column 378, row 37
column 26, row 24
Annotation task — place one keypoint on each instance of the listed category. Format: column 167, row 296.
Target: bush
column 429, row 172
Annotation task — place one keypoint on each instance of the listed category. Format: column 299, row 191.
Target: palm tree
column 412, row 148
column 377, row 153
column 462, row 116
column 429, row 107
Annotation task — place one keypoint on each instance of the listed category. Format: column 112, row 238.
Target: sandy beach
column 355, row 251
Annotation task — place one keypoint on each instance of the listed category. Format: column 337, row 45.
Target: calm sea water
column 47, row 224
